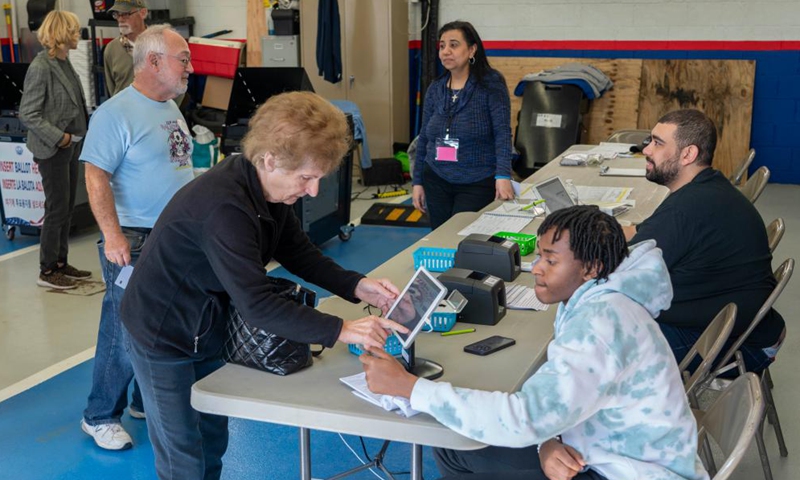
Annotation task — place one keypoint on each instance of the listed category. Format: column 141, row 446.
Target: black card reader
column 485, row 294
column 486, row 253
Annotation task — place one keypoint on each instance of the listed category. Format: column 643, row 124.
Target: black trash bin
column 549, row 122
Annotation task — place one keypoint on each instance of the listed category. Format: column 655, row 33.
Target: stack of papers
column 358, row 383
column 520, row 297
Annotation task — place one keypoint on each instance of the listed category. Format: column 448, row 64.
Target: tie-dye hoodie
column 610, row 386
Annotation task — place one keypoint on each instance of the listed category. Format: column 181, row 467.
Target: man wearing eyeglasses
column 137, row 154
column 117, row 59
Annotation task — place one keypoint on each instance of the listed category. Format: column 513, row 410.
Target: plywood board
column 723, row 89
column 256, row 28
column 617, row 109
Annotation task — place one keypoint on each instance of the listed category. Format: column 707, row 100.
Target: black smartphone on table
column 489, row 345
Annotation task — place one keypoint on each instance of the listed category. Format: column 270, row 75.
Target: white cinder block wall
column 553, row 19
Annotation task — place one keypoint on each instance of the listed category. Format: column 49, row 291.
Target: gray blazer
column 49, row 104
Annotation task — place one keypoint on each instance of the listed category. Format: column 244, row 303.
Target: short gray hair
column 150, row 41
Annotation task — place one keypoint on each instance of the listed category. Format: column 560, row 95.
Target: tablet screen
column 416, row 303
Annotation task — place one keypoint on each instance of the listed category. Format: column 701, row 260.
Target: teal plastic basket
column 434, row 259
column 392, row 347
column 441, row 322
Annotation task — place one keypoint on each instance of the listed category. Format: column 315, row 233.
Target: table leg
column 416, row 462
column 305, row 454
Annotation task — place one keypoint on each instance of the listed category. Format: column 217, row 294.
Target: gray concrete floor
column 41, row 331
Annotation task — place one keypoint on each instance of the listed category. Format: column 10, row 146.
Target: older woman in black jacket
column 54, row 111
column 208, row 250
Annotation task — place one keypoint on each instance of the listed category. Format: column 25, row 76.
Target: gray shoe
column 55, row 279
column 136, row 413
column 110, row 436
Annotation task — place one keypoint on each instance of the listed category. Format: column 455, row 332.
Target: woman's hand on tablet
column 368, row 331
column 379, row 292
column 385, row 375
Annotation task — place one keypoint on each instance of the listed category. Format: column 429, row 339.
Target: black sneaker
column 57, row 280
column 71, row 272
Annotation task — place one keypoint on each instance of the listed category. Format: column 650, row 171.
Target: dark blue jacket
column 481, row 121
column 329, row 41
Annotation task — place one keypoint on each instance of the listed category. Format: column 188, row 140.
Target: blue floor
column 40, row 436
column 19, row 242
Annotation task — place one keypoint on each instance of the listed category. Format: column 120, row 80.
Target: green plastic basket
column 527, row 243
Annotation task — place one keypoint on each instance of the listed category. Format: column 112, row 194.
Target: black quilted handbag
column 256, row 348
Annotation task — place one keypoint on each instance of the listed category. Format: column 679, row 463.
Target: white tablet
column 554, row 193
column 415, row 304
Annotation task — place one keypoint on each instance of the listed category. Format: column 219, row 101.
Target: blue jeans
column 112, row 367
column 681, row 340
column 186, row 443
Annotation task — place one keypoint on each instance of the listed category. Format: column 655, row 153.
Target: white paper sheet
column 490, row 224
column 520, row 297
column 358, row 383
column 596, row 195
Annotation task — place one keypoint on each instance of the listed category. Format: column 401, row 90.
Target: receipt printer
column 485, row 294
column 486, row 253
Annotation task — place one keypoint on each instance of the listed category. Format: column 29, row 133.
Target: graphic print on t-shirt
column 180, row 144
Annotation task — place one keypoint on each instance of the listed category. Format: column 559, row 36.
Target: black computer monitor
column 251, row 88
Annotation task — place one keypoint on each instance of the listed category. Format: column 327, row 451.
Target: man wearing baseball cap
column 130, row 15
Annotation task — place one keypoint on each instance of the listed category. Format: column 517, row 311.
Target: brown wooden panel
column 617, row 109
column 723, row 89
column 256, row 28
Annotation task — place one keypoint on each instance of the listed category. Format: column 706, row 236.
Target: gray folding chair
column 774, row 233
column 708, row 347
column 782, row 275
column 732, row 421
column 738, row 174
column 636, row 137
column 755, row 185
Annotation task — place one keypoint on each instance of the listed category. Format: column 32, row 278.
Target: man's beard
column 664, row 174
column 125, row 30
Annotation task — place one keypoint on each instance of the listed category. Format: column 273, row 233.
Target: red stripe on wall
column 744, row 45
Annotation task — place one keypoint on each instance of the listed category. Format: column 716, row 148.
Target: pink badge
column 446, row 154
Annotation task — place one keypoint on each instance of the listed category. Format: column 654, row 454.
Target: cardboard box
column 217, row 93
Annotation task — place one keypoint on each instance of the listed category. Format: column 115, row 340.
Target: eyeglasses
column 185, row 60
column 117, row 15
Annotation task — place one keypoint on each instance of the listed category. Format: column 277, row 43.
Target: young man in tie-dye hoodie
column 609, row 402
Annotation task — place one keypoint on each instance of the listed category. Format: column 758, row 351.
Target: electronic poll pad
column 485, row 294
column 486, row 253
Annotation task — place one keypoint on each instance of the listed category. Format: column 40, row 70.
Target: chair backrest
column 736, row 175
column 732, row 421
column 709, row 346
column 636, row 137
column 782, row 275
column 774, row 233
column 755, row 185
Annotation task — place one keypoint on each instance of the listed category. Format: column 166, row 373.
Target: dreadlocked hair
column 595, row 238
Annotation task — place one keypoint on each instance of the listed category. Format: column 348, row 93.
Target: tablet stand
column 421, row 367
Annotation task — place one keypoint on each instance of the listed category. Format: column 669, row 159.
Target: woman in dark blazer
column 54, row 111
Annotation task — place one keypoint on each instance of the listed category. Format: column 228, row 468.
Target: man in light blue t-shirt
column 137, row 154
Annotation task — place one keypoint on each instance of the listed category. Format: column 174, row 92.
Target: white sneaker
column 110, row 436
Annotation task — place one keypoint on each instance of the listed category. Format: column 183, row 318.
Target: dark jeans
column 444, row 199
column 59, row 181
column 187, row 444
column 491, row 463
column 112, row 368
column 681, row 340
